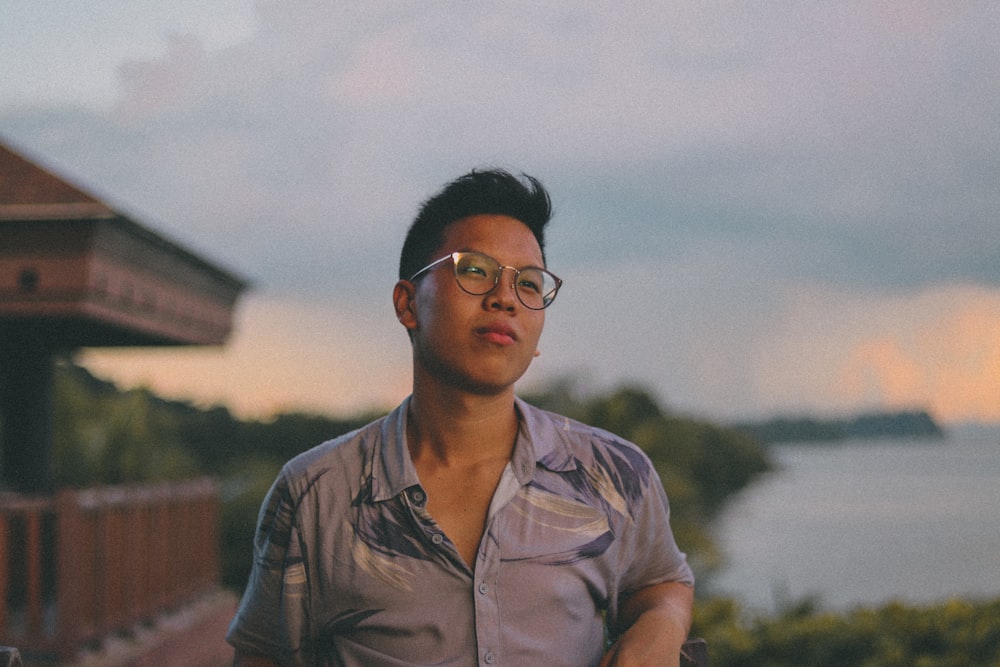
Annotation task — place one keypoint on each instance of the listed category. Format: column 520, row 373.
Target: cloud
column 861, row 135
column 57, row 53
column 723, row 175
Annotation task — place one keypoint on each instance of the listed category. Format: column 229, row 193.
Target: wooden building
column 75, row 272
column 79, row 566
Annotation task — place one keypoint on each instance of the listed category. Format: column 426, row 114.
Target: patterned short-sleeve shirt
column 350, row 569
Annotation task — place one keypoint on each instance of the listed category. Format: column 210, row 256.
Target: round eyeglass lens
column 478, row 274
column 535, row 288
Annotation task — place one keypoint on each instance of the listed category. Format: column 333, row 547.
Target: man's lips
column 497, row 333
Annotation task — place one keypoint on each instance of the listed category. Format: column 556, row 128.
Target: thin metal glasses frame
column 454, row 257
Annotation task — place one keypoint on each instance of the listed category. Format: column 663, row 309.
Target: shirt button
column 418, row 497
column 483, row 588
column 489, row 658
column 437, row 538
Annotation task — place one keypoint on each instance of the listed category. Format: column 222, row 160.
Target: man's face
column 481, row 344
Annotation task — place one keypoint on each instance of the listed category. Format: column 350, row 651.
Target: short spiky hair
column 488, row 192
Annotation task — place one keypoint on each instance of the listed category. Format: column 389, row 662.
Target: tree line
column 903, row 424
column 104, row 435
column 107, row 436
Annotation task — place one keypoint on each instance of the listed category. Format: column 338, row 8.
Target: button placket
column 487, row 607
column 418, row 499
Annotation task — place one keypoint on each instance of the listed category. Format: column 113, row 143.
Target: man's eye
column 475, row 271
column 531, row 281
column 530, row 285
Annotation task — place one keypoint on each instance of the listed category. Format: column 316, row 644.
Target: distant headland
column 908, row 424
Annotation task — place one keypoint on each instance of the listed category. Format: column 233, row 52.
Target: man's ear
column 403, row 299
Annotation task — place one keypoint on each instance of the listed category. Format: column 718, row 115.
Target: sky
column 762, row 208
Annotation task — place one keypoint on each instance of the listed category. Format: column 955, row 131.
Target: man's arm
column 657, row 619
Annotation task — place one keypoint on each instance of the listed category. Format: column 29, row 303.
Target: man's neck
column 458, row 428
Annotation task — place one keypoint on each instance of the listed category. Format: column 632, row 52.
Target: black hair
column 487, row 192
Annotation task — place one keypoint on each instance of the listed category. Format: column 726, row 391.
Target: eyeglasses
column 479, row 274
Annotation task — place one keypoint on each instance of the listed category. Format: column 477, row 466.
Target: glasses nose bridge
column 496, row 294
column 498, row 279
column 500, row 270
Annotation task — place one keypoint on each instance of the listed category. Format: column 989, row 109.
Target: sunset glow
column 947, row 359
column 938, row 351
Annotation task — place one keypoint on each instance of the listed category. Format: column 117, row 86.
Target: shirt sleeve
column 272, row 617
column 653, row 556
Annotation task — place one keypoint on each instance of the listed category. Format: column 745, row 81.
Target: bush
column 957, row 633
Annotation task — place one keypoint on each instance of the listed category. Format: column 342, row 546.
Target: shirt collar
column 540, row 441
column 392, row 470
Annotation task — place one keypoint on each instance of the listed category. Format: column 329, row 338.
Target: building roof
column 29, row 192
column 76, row 272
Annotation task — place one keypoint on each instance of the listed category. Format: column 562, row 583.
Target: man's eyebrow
column 486, row 254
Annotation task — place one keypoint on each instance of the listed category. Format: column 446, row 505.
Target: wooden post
column 74, row 567
column 114, row 549
column 87, row 561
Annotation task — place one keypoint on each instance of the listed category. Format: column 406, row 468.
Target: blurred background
column 772, row 219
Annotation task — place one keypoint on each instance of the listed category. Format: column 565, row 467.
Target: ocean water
column 862, row 523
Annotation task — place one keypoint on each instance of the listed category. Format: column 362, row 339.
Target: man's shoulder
column 580, row 439
column 348, row 449
column 586, row 456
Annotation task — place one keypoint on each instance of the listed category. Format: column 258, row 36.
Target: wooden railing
column 80, row 565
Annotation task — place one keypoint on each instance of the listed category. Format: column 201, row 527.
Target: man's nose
column 503, row 296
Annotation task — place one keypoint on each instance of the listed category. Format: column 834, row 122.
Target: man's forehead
column 492, row 234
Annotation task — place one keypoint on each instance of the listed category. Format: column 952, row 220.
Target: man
column 467, row 527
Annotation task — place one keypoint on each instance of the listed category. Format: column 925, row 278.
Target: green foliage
column 952, row 634
column 103, row 436
column 242, row 491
